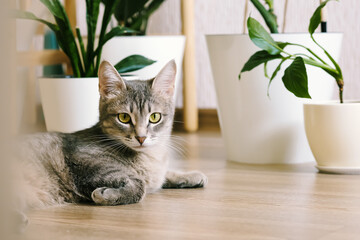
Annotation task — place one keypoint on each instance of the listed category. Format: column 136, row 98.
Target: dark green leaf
column 125, row 9
column 81, row 43
column 141, row 20
column 52, row 6
column 261, row 38
column 316, row 17
column 268, row 15
column 117, row 31
column 133, row 63
column 65, row 36
column 295, row 78
column 135, row 14
column 92, row 14
column 258, row 58
column 275, row 73
column 282, row 45
column 108, row 12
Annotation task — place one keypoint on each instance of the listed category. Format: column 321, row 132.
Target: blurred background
column 211, row 17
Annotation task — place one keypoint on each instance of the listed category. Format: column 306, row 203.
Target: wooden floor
column 240, row 202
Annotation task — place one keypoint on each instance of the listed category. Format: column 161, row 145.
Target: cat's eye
column 155, row 117
column 124, row 117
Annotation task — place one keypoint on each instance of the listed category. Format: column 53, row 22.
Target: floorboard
column 241, row 201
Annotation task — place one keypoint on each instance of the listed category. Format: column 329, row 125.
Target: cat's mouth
column 139, row 147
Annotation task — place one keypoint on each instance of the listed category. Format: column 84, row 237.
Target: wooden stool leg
column 189, row 80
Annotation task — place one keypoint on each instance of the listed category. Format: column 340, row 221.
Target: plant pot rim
column 274, row 34
column 333, row 103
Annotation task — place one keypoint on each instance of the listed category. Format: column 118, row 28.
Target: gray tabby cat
column 117, row 161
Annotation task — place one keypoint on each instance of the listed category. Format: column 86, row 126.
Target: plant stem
column 309, row 50
column 340, row 83
column 313, row 62
column 305, row 55
column 329, row 56
column 270, row 18
column 339, row 79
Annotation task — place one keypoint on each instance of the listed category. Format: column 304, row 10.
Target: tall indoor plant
column 162, row 48
column 256, row 128
column 135, row 14
column 71, row 104
column 332, row 128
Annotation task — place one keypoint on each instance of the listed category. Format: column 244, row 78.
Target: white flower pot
column 255, row 128
column 162, row 49
column 69, row 104
column 333, row 132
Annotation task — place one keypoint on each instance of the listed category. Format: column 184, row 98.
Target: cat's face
column 138, row 113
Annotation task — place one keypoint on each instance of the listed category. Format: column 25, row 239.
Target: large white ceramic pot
column 257, row 128
column 333, row 132
column 69, row 104
column 162, row 49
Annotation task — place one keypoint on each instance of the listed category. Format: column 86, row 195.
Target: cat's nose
column 141, row 140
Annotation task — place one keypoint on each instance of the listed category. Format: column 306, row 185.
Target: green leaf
column 127, row 8
column 265, row 70
column 117, row 31
column 275, row 73
column 81, row 43
column 53, row 8
column 135, row 14
column 268, row 15
column 133, row 63
column 261, row 38
column 258, row 58
column 108, row 12
column 31, row 16
column 65, row 36
column 92, row 14
column 316, row 17
column 282, row 45
column 140, row 21
column 295, row 78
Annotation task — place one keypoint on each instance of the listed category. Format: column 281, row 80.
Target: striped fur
column 106, row 164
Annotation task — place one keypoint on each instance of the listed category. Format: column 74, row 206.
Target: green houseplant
column 332, row 129
column 256, row 128
column 71, row 104
column 295, row 78
column 85, row 60
column 135, row 14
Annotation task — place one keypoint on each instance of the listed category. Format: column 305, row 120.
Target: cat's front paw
column 105, row 196
column 131, row 193
column 196, row 179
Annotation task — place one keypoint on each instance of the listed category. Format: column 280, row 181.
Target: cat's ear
column 164, row 82
column 110, row 81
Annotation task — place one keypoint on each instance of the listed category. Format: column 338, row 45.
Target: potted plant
column 162, row 48
column 332, row 128
column 257, row 128
column 71, row 103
